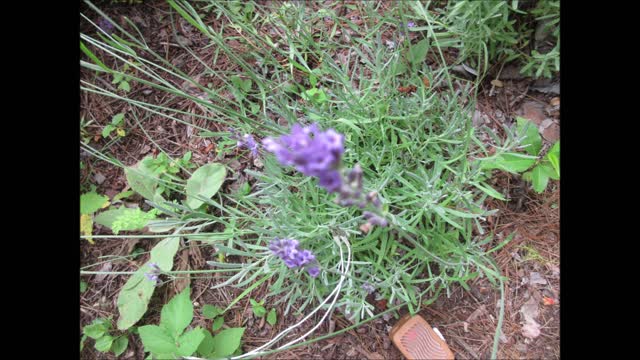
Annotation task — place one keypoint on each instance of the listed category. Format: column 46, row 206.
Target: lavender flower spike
column 289, row 251
column 312, row 152
column 105, row 25
column 246, row 141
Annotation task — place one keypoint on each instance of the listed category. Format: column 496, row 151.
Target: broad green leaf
column 156, row 340
column 117, row 119
column 117, row 77
column 84, row 338
column 92, row 202
column 83, row 286
column 204, row 182
column 124, row 85
column 177, row 314
column 136, row 293
column 106, row 218
column 226, row 342
column 142, row 180
column 532, row 140
column 554, row 157
column 124, row 219
column 123, row 195
column 206, row 345
column 549, row 170
column 120, row 345
column 217, row 323
column 418, row 52
column 271, row 318
column 132, row 219
column 210, row 311
column 97, row 329
column 86, row 227
column 104, row 343
column 510, row 162
column 188, row 342
column 259, row 311
column 539, row 179
column 107, row 130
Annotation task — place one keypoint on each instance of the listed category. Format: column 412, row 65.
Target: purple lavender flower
column 246, row 141
column 153, row 275
column 312, row 152
column 105, row 25
column 319, row 153
column 313, row 271
column 374, row 219
column 289, row 251
column 411, row 24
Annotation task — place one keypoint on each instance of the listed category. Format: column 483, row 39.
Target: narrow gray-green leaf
column 487, row 189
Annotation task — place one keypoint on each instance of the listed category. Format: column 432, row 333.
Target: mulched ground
column 467, row 319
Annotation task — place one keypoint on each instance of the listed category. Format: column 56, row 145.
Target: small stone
column 551, row 133
column 545, row 124
column 99, row 178
column 533, row 111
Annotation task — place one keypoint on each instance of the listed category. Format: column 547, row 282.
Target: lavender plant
column 403, row 164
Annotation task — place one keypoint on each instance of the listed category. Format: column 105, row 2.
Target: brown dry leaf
column 425, row 81
column 183, row 265
column 407, row 89
column 536, row 279
column 555, row 101
column 530, row 311
column 533, row 111
column 531, row 329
